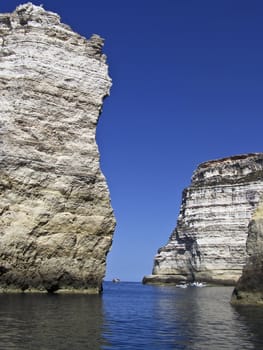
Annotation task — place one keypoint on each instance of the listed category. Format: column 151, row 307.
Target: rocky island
column 209, row 241
column 56, row 220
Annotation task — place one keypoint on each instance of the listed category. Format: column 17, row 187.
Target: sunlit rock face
column 56, row 221
column 249, row 288
column 208, row 243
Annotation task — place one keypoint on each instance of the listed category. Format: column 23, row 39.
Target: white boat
column 116, row 280
column 197, row 284
column 182, row 285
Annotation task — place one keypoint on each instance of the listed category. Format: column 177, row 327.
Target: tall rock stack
column 56, row 221
column 209, row 241
column 249, row 288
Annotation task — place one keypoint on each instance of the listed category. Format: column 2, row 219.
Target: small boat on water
column 197, row 284
column 116, row 280
column 192, row 284
column 181, row 285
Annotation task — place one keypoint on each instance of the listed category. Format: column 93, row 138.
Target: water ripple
column 130, row 316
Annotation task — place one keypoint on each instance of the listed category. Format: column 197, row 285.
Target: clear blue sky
column 187, row 87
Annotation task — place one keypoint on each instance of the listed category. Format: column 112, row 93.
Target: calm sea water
column 130, row 316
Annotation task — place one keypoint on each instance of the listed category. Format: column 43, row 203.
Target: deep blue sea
column 130, row 316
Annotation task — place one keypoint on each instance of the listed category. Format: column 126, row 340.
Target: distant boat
column 116, row 280
column 193, row 284
column 197, row 284
column 181, row 285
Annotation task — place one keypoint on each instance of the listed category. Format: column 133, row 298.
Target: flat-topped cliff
column 209, row 241
column 56, row 220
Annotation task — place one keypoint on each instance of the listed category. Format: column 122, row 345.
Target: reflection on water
column 130, row 316
column 203, row 319
column 42, row 322
column 252, row 318
column 155, row 317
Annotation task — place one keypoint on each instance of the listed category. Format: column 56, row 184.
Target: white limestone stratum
column 56, row 221
column 208, row 243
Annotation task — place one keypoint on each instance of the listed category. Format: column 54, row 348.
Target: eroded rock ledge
column 208, row 243
column 56, row 221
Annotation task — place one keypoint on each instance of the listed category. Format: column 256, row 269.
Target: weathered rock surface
column 208, row 243
column 249, row 289
column 56, row 221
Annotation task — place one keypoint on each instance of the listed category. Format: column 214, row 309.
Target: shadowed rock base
column 162, row 279
column 175, row 279
column 31, row 283
column 249, row 289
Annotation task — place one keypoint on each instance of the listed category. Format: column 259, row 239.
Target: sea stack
column 249, row 289
column 56, row 220
column 209, row 241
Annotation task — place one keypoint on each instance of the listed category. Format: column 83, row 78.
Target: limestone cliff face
column 249, row 288
column 56, row 221
column 208, row 243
